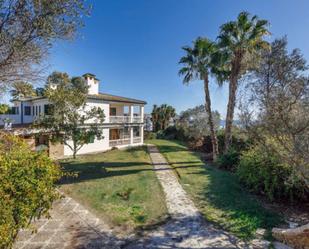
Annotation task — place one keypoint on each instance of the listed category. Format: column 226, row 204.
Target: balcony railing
column 124, row 141
column 137, row 140
column 125, row 119
column 118, row 142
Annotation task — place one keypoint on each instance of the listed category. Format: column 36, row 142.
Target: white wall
column 97, row 146
column 93, row 85
column 119, row 109
column 14, row 117
column 96, row 103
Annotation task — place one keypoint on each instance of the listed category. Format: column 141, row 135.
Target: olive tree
column 69, row 120
column 275, row 113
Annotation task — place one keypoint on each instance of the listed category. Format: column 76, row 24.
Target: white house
column 123, row 125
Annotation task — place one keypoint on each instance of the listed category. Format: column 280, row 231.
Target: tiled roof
column 100, row 96
column 114, row 98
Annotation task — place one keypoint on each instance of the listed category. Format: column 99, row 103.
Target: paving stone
column 67, row 229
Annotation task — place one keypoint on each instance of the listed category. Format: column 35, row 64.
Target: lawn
column 218, row 194
column 119, row 186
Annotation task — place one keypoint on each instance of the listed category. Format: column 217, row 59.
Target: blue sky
column 133, row 46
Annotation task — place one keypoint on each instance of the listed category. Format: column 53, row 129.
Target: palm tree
column 21, row 90
column 155, row 117
column 167, row 112
column 199, row 64
column 241, row 41
column 161, row 115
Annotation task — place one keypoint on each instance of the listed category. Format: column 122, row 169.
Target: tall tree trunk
column 233, row 84
column 230, row 112
column 214, row 141
column 74, row 149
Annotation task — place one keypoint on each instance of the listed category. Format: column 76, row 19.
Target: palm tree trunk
column 230, row 112
column 236, row 66
column 214, row 141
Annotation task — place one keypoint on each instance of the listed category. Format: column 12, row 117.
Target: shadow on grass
column 95, row 170
column 91, row 167
column 222, row 199
column 241, row 212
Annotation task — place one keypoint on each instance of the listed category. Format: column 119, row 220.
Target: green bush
column 229, row 160
column 150, row 135
column 239, row 141
column 263, row 172
column 27, row 187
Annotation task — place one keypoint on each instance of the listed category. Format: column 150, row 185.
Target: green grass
column 218, row 194
column 119, row 186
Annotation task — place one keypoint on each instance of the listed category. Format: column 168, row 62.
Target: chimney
column 92, row 82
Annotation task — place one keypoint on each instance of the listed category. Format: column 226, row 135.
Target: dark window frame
column 112, row 113
column 27, row 110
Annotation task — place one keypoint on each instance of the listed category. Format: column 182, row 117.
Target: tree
column 22, row 89
column 4, row 108
column 155, row 118
column 198, row 64
column 27, row 186
column 27, row 31
column 275, row 114
column 194, row 122
column 39, row 91
column 161, row 116
column 240, row 41
column 71, row 122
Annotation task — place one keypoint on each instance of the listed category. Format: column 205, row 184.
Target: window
column 136, row 131
column 91, row 139
column 48, row 109
column 27, row 110
column 112, row 111
column 39, row 109
column 32, row 110
column 14, row 110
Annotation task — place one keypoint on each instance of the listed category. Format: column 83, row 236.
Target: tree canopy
column 22, row 89
column 27, row 31
column 161, row 116
column 275, row 112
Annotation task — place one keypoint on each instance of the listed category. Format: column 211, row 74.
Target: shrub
column 239, row 141
column 263, row 172
column 171, row 133
column 27, row 187
column 150, row 135
column 229, row 160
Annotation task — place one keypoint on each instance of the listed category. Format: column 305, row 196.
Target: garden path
column 70, row 226
column 187, row 228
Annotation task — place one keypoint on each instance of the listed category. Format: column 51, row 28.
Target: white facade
column 123, row 125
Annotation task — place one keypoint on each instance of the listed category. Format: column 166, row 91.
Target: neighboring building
column 123, row 125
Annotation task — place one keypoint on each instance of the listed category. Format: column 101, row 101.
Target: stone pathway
column 187, row 228
column 71, row 226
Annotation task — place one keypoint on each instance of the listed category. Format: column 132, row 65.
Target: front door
column 114, row 134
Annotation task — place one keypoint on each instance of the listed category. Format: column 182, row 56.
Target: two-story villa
column 123, row 125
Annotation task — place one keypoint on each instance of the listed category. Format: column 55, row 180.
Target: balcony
column 119, row 142
column 124, row 141
column 125, row 119
column 137, row 140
